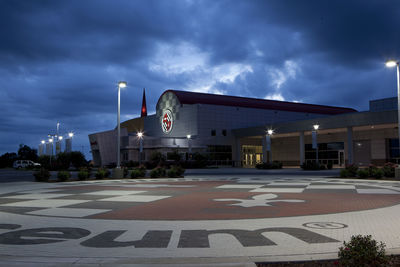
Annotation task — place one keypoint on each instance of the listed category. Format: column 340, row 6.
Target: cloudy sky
column 60, row 60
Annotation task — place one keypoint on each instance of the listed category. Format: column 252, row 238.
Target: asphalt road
column 11, row 175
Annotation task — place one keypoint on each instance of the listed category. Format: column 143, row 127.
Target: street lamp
column 188, row 137
column 70, row 135
column 391, row 64
column 315, row 142
column 270, row 132
column 140, row 136
column 121, row 84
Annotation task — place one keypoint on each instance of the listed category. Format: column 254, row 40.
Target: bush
column 42, row 175
column 175, row 171
column 63, row 176
column 102, row 173
column 377, row 173
column 352, row 170
column 83, row 175
column 157, row 172
column 362, row 251
column 363, row 173
column 344, row 173
column 388, row 169
column 138, row 172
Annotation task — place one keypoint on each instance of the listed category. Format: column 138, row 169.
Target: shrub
column 42, row 175
column 175, row 171
column 63, row 176
column 352, row 170
column 372, row 168
column 363, row 173
column 376, row 173
column 362, row 251
column 157, row 172
column 138, row 172
column 388, row 169
column 83, row 175
column 344, row 173
column 322, row 167
column 102, row 173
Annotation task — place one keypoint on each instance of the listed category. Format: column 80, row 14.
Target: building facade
column 233, row 130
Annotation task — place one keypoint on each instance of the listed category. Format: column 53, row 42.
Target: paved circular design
column 199, row 200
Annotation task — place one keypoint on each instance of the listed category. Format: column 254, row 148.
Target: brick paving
column 198, row 220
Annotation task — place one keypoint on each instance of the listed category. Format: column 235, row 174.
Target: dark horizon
column 61, row 60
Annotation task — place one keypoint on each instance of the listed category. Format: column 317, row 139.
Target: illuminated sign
column 167, row 121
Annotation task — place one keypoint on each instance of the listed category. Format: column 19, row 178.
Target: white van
column 24, row 164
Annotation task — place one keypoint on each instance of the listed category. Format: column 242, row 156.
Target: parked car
column 24, row 164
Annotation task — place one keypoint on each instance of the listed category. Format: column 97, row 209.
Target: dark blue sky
column 61, row 60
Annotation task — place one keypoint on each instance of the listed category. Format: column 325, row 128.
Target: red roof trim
column 236, row 101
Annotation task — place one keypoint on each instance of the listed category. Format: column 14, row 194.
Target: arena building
column 233, row 131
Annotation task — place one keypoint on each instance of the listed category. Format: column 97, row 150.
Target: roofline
column 305, row 105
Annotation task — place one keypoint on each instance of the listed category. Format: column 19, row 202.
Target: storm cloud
column 60, row 60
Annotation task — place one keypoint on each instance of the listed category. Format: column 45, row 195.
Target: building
column 232, row 131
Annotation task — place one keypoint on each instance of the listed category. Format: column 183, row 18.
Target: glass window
column 213, row 132
column 224, row 132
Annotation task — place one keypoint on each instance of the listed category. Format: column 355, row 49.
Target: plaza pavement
column 220, row 217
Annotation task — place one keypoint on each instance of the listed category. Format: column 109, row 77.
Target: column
column 301, row 139
column 350, row 145
column 264, row 149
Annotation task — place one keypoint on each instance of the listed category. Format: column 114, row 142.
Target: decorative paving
column 198, row 199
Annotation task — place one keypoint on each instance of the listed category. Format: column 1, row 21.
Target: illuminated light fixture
column 391, row 63
column 122, row 84
column 316, row 127
column 270, row 132
column 188, row 136
column 140, row 134
column 43, row 141
column 70, row 134
column 51, row 140
column 60, row 138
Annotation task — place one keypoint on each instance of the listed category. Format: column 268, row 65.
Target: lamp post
column 51, row 146
column 140, row 136
column 121, row 84
column 315, row 141
column 188, row 137
column 391, row 64
column 270, row 132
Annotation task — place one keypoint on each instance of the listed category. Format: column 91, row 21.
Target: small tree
column 27, row 153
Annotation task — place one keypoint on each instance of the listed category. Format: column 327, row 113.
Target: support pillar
column 264, row 150
column 302, row 155
column 350, row 145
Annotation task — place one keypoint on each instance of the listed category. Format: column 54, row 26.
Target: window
column 213, row 132
column 224, row 132
column 219, row 152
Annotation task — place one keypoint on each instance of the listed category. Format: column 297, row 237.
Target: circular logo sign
column 167, row 121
